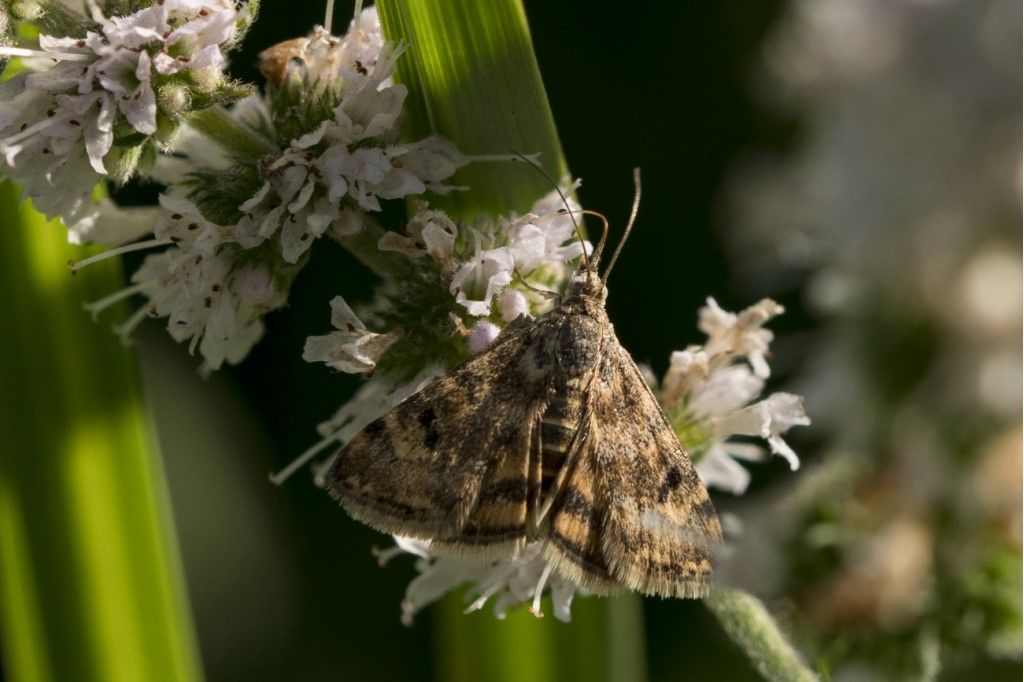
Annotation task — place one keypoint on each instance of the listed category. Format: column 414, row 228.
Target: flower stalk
column 747, row 622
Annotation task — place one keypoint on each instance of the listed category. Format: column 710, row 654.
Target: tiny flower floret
column 354, row 348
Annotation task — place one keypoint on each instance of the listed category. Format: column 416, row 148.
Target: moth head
column 591, row 288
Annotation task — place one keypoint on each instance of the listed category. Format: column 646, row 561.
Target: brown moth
column 550, row 434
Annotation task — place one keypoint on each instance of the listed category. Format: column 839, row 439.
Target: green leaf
column 473, row 77
column 90, row 576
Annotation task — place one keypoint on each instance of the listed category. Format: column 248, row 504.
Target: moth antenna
column 544, row 293
column 568, row 209
column 629, row 226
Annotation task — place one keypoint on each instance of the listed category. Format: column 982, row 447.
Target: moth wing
column 576, row 527
column 633, row 510
column 497, row 523
column 419, row 470
column 661, row 529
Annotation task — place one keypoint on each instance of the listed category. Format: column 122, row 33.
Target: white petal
column 718, row 470
column 343, row 318
column 99, row 136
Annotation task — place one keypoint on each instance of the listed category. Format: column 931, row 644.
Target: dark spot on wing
column 426, row 419
column 672, row 480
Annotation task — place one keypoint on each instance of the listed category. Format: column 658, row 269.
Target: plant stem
column 748, row 623
column 89, row 568
column 218, row 125
column 626, row 654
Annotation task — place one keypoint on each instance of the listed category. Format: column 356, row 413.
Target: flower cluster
column 490, row 274
column 708, row 393
column 250, row 188
column 93, row 103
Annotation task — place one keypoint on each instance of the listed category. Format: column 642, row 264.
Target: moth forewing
column 439, row 465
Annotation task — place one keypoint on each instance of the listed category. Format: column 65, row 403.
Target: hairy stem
column 748, row 623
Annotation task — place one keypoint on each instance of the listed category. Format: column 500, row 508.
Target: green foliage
column 89, row 570
column 473, row 77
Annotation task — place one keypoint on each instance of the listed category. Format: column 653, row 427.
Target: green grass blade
column 89, row 570
column 473, row 77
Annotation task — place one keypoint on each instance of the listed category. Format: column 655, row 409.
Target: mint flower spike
column 89, row 103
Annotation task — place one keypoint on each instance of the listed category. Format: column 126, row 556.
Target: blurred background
column 860, row 162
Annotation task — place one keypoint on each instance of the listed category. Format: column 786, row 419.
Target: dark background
column 281, row 582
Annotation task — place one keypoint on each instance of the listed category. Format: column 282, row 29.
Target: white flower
column 522, row 245
column 743, row 334
column 769, row 419
column 354, row 349
column 57, row 123
column 482, row 278
column 510, row 582
column 194, row 291
column 708, row 393
column 430, row 232
column 353, row 158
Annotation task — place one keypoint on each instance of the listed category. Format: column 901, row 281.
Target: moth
column 550, row 434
